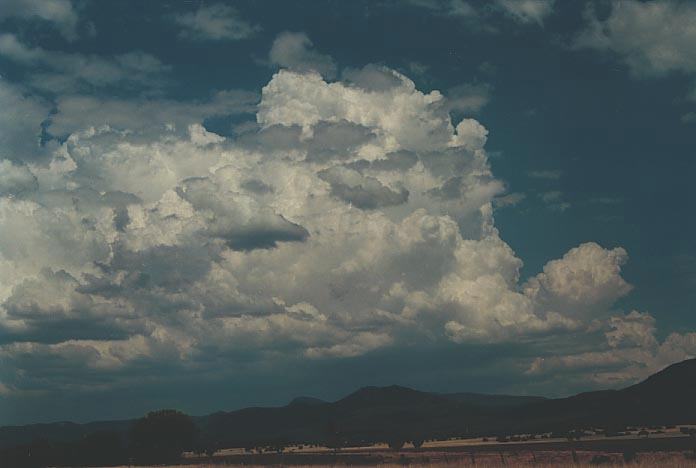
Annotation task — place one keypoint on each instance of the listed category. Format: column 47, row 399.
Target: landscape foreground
column 652, row 423
column 670, row 448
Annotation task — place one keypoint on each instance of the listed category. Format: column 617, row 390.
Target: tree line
column 160, row 437
column 157, row 438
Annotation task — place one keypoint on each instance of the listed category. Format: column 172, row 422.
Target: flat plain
column 668, row 448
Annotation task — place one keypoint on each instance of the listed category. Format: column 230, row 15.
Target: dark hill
column 306, row 401
column 492, row 401
column 667, row 397
column 676, row 381
column 380, row 413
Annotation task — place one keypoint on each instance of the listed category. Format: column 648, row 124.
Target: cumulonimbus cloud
column 345, row 219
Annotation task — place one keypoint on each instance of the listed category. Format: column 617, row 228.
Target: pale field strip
column 454, row 442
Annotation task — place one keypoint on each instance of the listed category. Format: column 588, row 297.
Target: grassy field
column 665, row 449
column 490, row 459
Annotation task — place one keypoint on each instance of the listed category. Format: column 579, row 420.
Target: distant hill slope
column 667, row 397
column 306, row 401
column 378, row 413
column 494, row 401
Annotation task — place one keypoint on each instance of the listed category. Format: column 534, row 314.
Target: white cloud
column 634, row 329
column 585, row 281
column 354, row 216
column 401, row 117
column 511, row 199
column 651, row 38
column 527, row 11
column 554, row 200
column 59, row 12
column 15, row 179
column 689, row 118
column 460, row 8
column 294, row 50
column 545, row 174
column 76, row 112
column 215, row 22
column 479, row 16
column 631, row 353
column 468, row 98
column 62, row 72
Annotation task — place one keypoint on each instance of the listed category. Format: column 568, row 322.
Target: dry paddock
column 635, row 452
column 481, row 459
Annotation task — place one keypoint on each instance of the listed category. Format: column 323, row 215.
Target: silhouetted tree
column 39, row 452
column 162, row 436
column 601, row 460
column 99, row 448
column 629, row 456
column 333, row 436
column 418, row 442
column 396, row 443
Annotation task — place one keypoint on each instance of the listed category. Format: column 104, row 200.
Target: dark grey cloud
column 163, row 266
column 364, row 192
column 450, row 161
column 256, row 186
column 452, row 188
column 265, row 236
column 396, row 161
column 20, row 130
column 241, row 223
column 52, row 310
column 337, row 140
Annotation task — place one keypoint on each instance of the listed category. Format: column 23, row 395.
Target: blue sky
column 208, row 205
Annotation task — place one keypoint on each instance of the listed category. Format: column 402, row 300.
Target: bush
column 162, row 436
column 600, row 460
column 396, row 444
column 629, row 456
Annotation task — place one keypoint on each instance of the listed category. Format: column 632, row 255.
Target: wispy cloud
column 215, row 22
column 554, row 200
column 68, row 72
column 545, row 174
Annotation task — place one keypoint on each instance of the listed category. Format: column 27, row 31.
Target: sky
column 206, row 205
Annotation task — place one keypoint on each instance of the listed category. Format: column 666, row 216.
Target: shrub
column 162, row 436
column 396, row 443
column 629, row 456
column 600, row 460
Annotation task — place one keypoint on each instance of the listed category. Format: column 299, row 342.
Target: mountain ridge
column 372, row 413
